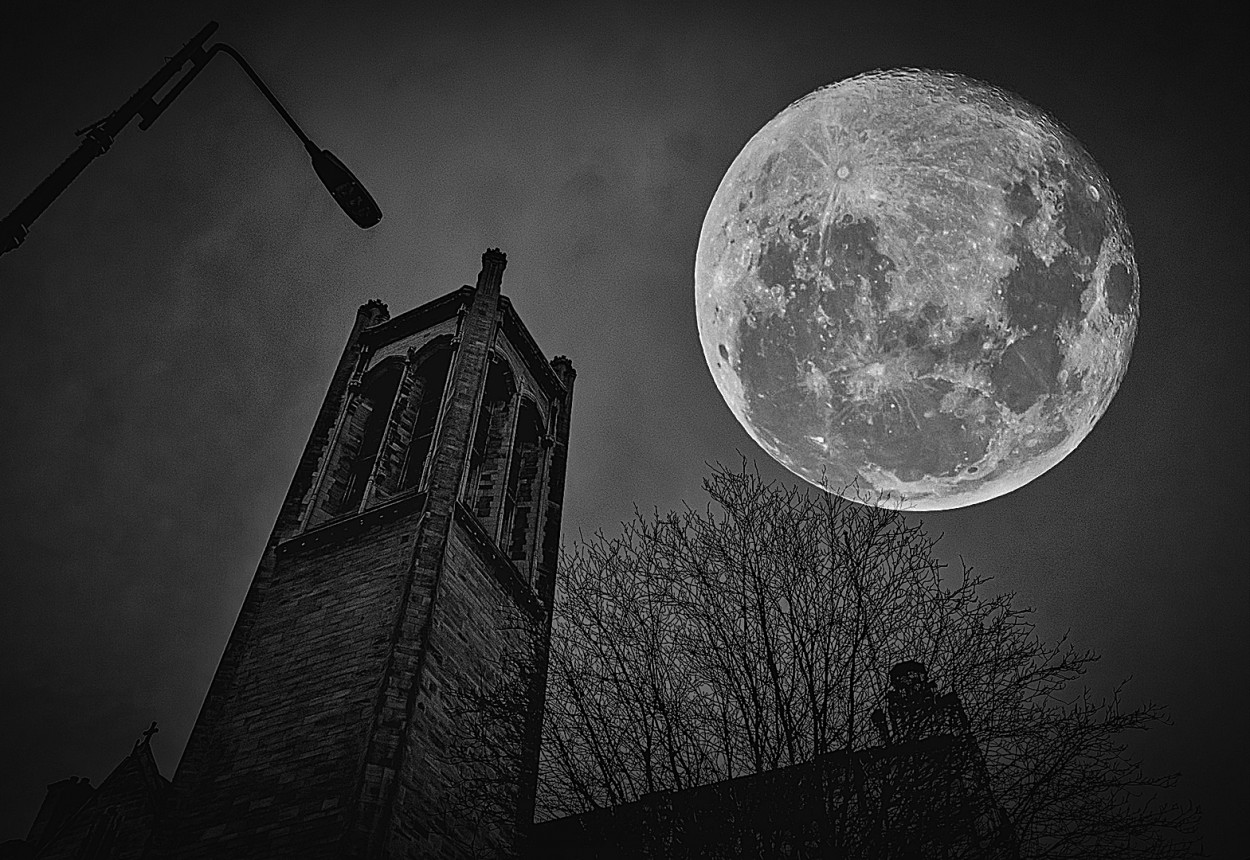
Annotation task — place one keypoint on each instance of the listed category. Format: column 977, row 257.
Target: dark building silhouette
column 413, row 558
column 922, row 794
column 78, row 822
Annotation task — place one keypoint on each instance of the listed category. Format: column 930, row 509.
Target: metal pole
column 201, row 58
column 98, row 137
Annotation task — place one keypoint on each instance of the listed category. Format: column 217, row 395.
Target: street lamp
column 344, row 187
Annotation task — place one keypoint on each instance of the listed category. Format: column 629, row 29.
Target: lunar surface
column 917, row 282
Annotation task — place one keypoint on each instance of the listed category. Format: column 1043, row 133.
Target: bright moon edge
column 848, row 168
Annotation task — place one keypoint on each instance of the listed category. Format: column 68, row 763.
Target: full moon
column 919, row 283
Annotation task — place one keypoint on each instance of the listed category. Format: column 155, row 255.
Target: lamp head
column 345, row 188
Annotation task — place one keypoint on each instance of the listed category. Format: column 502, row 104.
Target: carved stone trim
column 418, row 319
column 348, row 526
column 502, row 567
column 519, row 336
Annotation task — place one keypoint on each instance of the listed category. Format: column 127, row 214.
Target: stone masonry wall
column 286, row 758
column 480, row 629
column 182, row 812
column 384, row 816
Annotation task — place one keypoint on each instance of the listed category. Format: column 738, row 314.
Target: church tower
column 416, row 546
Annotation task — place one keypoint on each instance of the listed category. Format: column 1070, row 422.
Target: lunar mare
column 918, row 282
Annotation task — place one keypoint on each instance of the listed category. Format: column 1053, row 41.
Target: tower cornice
column 419, row 318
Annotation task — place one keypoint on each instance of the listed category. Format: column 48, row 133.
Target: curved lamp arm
column 344, row 187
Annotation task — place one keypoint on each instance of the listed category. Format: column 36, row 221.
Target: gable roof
column 127, row 804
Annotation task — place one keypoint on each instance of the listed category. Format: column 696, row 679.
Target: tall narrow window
column 524, row 480
column 362, row 438
column 489, row 451
column 431, row 379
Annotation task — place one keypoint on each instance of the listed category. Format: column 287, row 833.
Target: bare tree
column 759, row 633
column 495, row 711
column 493, row 730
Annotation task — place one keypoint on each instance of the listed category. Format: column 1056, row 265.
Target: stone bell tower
column 417, row 541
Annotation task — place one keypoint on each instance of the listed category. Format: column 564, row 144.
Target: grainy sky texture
column 169, row 328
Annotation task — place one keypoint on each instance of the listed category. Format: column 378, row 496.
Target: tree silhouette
column 738, row 660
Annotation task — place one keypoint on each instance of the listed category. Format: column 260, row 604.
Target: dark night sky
column 168, row 329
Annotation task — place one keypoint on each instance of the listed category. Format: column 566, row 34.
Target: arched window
column 361, row 438
column 524, row 481
column 489, row 453
column 426, row 399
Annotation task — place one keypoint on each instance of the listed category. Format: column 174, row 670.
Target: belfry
column 418, row 537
